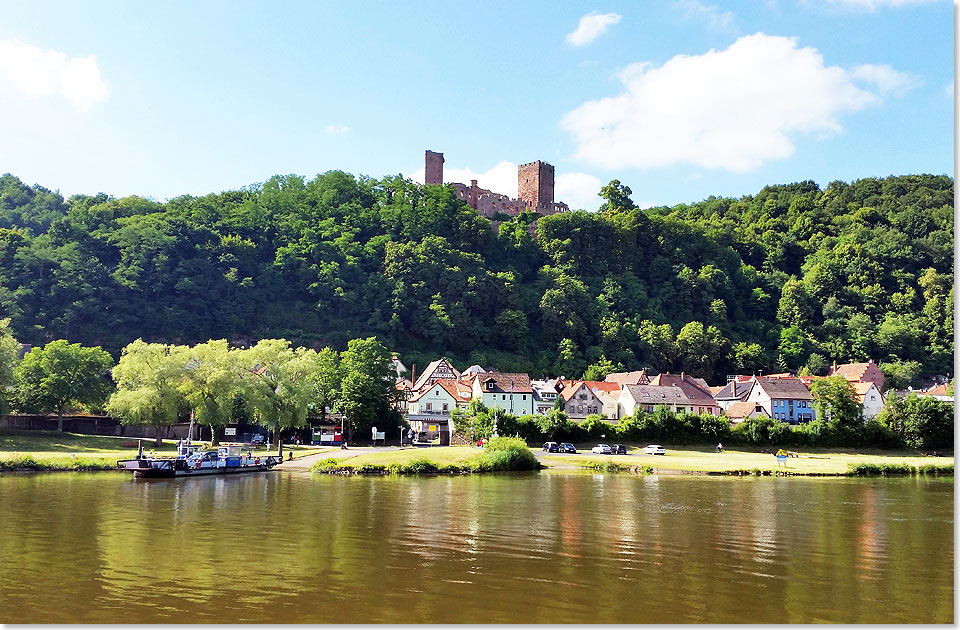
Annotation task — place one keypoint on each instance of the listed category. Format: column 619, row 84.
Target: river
column 552, row 547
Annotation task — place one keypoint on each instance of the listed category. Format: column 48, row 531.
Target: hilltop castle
column 534, row 183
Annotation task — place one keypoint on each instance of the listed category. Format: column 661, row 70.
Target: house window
column 873, row 397
column 490, row 386
column 444, row 406
column 504, row 396
column 428, row 406
column 524, row 396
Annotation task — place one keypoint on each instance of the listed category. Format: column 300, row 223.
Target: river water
column 552, row 547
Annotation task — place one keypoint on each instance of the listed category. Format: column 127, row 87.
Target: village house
column 940, row 392
column 649, row 397
column 867, row 372
column 428, row 410
column 608, row 394
column 638, row 377
column 545, row 394
column 579, row 400
column 511, row 392
column 785, row 399
column 739, row 411
column 436, row 370
column 696, row 391
column 736, row 390
column 870, row 398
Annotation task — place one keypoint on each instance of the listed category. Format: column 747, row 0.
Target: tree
column 278, row 383
column 616, row 198
column 9, row 357
column 599, row 370
column 748, row 358
column 657, row 344
column 368, row 390
column 326, row 381
column 148, row 377
column 699, row 348
column 836, row 402
column 793, row 347
column 899, row 374
column 211, row 383
column 60, row 375
column 922, row 422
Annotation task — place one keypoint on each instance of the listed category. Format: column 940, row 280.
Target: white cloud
column 715, row 18
column 578, row 190
column 873, row 5
column 42, row 73
column 591, row 26
column 735, row 109
column 885, row 78
column 336, row 129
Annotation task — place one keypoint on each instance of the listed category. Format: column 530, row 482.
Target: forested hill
column 794, row 276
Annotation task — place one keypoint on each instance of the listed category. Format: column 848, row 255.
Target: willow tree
column 211, row 383
column 61, row 375
column 148, row 378
column 278, row 383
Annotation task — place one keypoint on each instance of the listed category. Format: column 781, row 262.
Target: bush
column 509, row 453
column 872, row 470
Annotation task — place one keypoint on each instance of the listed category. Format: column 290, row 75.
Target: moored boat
column 192, row 460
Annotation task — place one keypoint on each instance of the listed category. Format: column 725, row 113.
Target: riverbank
column 821, row 462
column 37, row 451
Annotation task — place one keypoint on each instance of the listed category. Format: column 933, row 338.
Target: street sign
column 230, row 431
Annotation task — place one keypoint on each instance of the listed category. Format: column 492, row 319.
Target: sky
column 678, row 99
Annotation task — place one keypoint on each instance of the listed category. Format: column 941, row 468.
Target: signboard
column 382, row 435
column 433, row 427
column 230, row 431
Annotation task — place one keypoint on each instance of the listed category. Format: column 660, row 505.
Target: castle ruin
column 535, row 186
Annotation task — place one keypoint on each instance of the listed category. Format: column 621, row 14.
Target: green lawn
column 809, row 461
column 77, row 451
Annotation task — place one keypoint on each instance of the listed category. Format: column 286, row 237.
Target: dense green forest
column 793, row 277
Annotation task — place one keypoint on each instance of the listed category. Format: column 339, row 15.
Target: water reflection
column 287, row 547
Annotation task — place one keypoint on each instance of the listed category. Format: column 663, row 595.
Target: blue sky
column 679, row 99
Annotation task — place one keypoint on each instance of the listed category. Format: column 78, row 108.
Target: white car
column 602, row 449
column 654, row 449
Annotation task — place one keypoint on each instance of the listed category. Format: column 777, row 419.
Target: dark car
column 551, row 447
column 567, row 447
column 618, row 449
column 257, row 439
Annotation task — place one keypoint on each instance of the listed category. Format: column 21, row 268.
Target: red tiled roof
column 741, row 410
column 638, row 377
column 696, row 389
column 507, row 382
column 611, row 387
column 939, row 390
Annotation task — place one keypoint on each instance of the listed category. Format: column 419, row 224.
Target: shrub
column 510, row 453
column 870, row 470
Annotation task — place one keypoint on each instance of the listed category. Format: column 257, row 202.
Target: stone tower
column 535, row 183
column 434, row 169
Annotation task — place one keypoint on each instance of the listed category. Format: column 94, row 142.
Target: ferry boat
column 192, row 460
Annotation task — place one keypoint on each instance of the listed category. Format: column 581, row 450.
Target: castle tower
column 535, row 183
column 434, row 169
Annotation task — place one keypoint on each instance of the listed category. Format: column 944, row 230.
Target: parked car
column 602, row 449
column 551, row 447
column 618, row 449
column 257, row 440
column 567, row 447
column 654, row 449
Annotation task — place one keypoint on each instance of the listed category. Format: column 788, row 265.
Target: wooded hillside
column 794, row 276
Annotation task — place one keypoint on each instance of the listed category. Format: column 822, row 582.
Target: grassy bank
column 502, row 454
column 53, row 451
column 734, row 462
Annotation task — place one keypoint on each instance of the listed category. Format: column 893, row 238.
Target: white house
column 870, row 398
column 649, row 397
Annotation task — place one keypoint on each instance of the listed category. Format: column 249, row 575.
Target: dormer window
column 489, row 386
